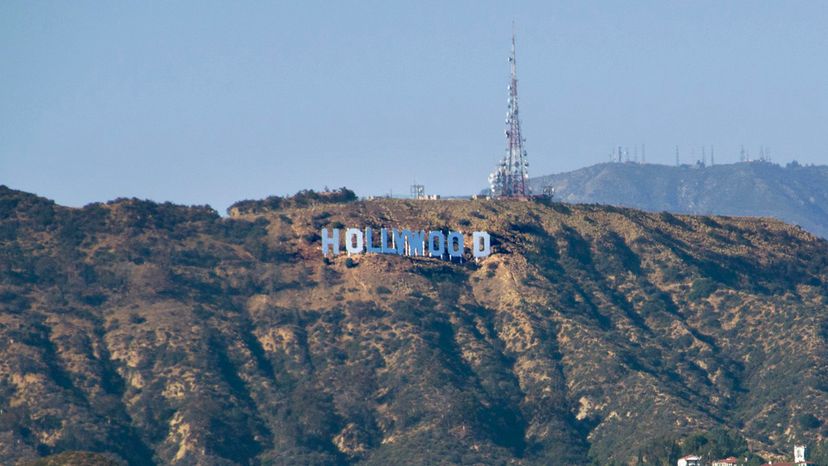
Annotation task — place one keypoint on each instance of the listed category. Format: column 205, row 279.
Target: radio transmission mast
column 512, row 173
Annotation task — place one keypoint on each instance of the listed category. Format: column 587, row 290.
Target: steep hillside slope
column 794, row 194
column 168, row 335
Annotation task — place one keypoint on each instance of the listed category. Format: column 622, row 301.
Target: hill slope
column 168, row 335
column 794, row 194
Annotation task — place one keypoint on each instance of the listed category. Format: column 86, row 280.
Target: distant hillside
column 165, row 334
column 794, row 194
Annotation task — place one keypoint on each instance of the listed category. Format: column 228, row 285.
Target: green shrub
column 808, row 421
column 701, row 288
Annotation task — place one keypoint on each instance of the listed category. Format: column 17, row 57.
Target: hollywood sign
column 405, row 242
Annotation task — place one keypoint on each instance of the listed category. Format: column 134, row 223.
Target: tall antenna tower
column 512, row 173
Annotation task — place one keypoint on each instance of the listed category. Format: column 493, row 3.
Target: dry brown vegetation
column 166, row 334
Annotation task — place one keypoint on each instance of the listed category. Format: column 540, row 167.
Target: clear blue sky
column 211, row 102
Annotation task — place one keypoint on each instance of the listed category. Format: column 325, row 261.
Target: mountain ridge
column 592, row 335
column 796, row 194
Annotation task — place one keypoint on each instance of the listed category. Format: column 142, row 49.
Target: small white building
column 800, row 458
column 799, row 454
column 689, row 460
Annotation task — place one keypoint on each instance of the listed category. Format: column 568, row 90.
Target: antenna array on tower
column 510, row 177
column 417, row 191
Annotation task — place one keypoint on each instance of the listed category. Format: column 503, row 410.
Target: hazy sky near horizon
column 203, row 102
